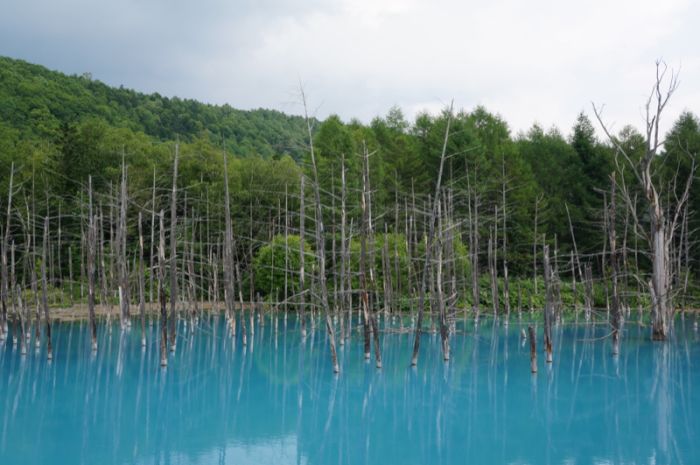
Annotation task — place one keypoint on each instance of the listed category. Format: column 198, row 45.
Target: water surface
column 277, row 402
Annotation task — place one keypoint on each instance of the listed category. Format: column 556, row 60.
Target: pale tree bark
column 91, row 257
column 44, row 290
column 663, row 215
column 548, row 305
column 161, row 294
column 142, row 290
column 429, row 244
column 320, row 246
column 4, row 286
column 614, row 266
column 173, row 255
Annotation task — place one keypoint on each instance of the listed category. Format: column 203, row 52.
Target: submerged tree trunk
column 533, row 349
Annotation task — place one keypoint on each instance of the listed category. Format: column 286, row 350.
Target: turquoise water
column 277, row 402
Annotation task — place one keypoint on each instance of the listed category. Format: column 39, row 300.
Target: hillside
column 37, row 101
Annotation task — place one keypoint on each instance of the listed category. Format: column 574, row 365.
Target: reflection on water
column 276, row 401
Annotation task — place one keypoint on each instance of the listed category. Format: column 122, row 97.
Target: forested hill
column 37, row 102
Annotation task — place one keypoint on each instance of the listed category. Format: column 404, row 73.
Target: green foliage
column 269, row 266
column 39, row 102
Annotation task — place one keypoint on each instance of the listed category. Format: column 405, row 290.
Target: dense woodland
column 451, row 213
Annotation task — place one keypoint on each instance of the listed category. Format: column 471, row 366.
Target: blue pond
column 277, row 402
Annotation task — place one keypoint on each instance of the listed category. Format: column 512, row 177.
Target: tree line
column 448, row 212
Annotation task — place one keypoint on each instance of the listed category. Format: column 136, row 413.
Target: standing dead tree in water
column 142, row 285
column 320, row 245
column 548, row 305
column 615, row 267
column 91, row 257
column 44, row 290
column 370, row 321
column 429, row 245
column 533, row 349
column 302, row 277
column 122, row 268
column 161, row 295
column 229, row 290
column 173, row 255
column 4, row 289
column 663, row 213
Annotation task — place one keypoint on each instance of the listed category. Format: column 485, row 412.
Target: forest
column 118, row 200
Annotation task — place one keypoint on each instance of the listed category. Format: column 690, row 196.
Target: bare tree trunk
column 492, row 271
column 302, row 277
column 429, row 245
column 506, row 292
column 91, row 252
column 588, row 291
column 320, row 249
column 345, row 310
column 152, row 257
column 440, row 248
column 548, row 306
column 4, row 289
column 474, row 252
column 44, row 290
column 533, row 349
column 534, row 243
column 229, row 290
column 173, row 255
column 121, row 256
column 142, row 291
column 663, row 219
column 363, row 260
column 162, row 297
column 616, row 315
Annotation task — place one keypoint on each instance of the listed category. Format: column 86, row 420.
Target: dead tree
column 429, row 244
column 44, row 290
column 344, row 267
column 506, row 291
column 364, row 293
column 320, row 247
column 538, row 199
column 91, row 252
column 151, row 255
column 614, row 266
column 474, row 249
column 173, row 255
column 493, row 268
column 122, row 270
column 302, row 277
column 548, row 305
column 4, row 286
column 533, row 349
column 142, row 290
column 161, row 294
column 229, row 290
column 663, row 215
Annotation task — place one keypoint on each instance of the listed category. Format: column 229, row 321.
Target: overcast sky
column 530, row 61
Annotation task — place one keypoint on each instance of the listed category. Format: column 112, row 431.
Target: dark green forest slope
column 38, row 101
